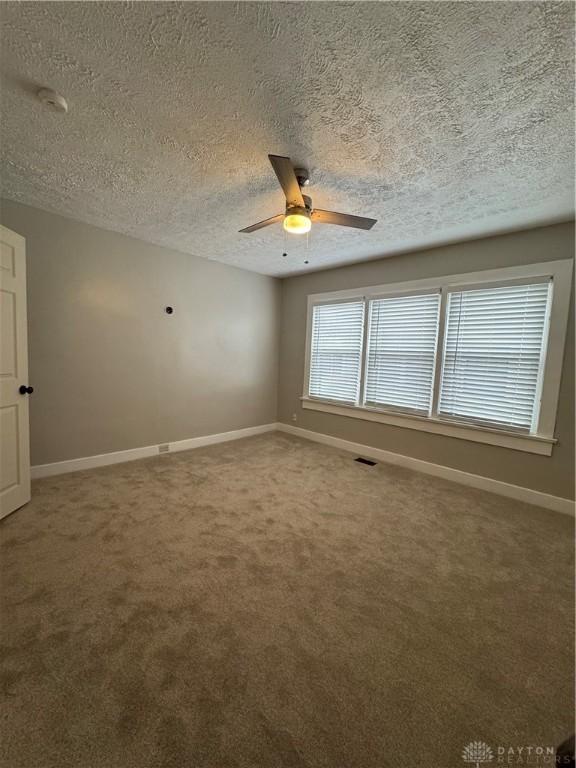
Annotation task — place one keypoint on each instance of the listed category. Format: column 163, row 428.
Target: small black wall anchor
column 169, row 310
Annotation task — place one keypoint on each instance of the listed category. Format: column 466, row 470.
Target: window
column 493, row 354
column 337, row 331
column 457, row 355
column 402, row 333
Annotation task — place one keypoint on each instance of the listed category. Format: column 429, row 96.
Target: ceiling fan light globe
column 297, row 223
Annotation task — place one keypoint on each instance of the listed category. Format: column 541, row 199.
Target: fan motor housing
column 298, row 209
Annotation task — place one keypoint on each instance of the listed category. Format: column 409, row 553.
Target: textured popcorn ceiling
column 442, row 120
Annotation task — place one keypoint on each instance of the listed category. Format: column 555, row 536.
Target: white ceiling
column 444, row 121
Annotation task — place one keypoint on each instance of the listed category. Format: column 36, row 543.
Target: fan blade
column 343, row 219
column 265, row 223
column 284, row 170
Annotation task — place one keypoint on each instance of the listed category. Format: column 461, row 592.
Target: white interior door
column 14, row 418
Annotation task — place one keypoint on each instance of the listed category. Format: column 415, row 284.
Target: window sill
column 474, row 433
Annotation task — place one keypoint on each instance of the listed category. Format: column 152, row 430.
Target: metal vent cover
column 369, row 462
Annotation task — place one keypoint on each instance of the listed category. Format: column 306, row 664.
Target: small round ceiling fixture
column 53, row 100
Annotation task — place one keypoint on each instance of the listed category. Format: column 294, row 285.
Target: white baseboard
column 118, row 457
column 546, row 500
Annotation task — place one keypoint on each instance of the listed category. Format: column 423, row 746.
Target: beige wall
column 110, row 369
column 553, row 474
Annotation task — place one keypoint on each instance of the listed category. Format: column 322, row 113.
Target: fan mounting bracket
column 303, row 176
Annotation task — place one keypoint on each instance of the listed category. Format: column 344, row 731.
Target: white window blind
column 336, row 351
column 492, row 354
column 401, row 352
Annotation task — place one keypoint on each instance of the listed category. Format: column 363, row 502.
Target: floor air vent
column 165, row 448
column 370, row 463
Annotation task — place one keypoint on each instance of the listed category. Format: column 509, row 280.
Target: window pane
column 492, row 354
column 336, row 351
column 401, row 352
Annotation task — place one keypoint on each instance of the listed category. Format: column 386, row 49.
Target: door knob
column 24, row 390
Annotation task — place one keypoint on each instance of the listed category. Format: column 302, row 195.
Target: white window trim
column 543, row 440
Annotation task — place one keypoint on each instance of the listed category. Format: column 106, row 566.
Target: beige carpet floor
column 270, row 603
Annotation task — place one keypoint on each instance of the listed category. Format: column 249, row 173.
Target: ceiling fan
column 299, row 213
